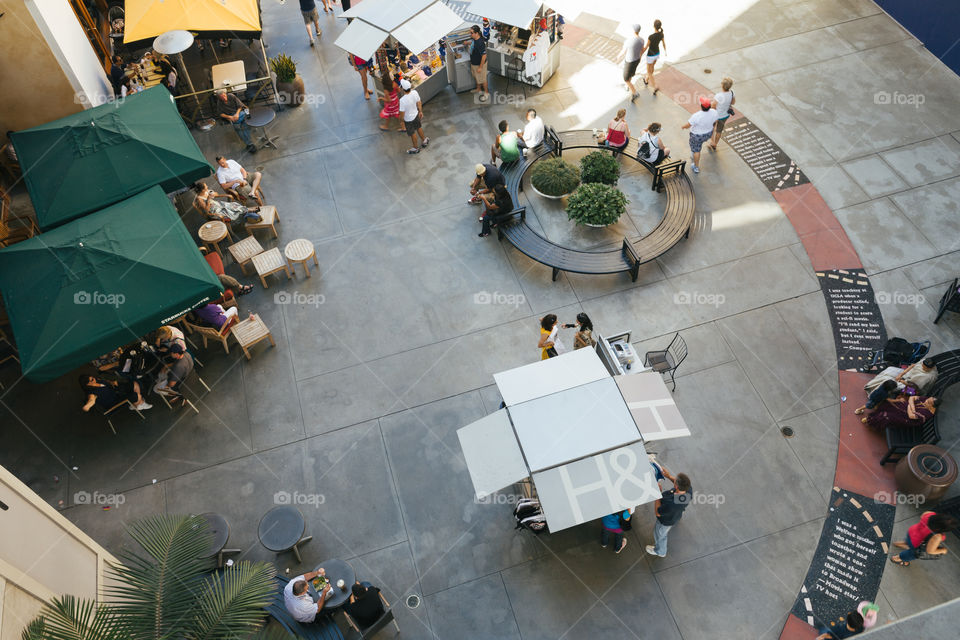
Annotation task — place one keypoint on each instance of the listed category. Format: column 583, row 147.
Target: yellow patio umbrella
column 207, row 19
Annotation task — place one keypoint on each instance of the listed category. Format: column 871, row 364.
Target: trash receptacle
column 926, row 471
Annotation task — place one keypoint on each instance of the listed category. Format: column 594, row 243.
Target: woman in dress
column 230, row 212
column 391, row 104
column 901, row 411
column 618, row 132
column 655, row 46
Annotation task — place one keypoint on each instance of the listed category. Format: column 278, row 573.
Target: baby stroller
column 896, row 353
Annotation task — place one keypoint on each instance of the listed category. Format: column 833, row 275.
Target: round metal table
column 335, row 570
column 259, row 118
column 282, row 528
column 218, row 526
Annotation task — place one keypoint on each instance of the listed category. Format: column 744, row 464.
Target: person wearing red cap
column 701, row 128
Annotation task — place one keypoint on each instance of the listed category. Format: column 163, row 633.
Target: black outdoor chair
column 322, row 629
column 381, row 623
column 669, row 359
column 949, row 301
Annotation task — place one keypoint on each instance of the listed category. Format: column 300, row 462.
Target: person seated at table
column 920, row 375
column 901, row 411
column 235, row 180
column 230, row 212
column 167, row 336
column 618, row 133
column 365, row 605
column 108, row 394
column 231, row 109
column 298, row 601
column 498, row 205
column 215, row 315
column 169, row 76
column 171, row 377
column 506, row 146
column 488, row 177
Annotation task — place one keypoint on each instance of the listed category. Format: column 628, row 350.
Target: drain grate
column 413, row 601
column 786, row 432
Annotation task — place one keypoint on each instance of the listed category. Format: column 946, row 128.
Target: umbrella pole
column 266, row 62
column 183, row 70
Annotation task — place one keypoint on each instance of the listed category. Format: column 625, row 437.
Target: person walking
column 927, row 535
column 722, row 102
column 631, row 55
column 669, row 508
column 361, row 66
column 655, row 46
column 412, row 110
column 611, row 527
column 478, row 61
column 391, row 104
column 328, row 7
column 701, row 128
column 308, row 9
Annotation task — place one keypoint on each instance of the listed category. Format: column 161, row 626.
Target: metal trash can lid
column 932, row 465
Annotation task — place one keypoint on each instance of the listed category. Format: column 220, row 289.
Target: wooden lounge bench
column 900, row 441
column 675, row 224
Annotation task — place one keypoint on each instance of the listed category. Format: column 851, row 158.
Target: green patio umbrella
column 94, row 284
column 92, row 159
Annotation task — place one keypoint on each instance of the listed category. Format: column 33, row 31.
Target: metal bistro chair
column 167, row 396
column 385, row 618
column 949, row 301
column 669, row 359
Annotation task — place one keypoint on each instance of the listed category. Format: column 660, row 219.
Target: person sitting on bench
column 655, row 151
column 618, row 133
column 488, row 177
column 532, row 134
column 499, row 204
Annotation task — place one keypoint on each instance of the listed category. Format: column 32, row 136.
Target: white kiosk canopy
column 577, row 433
column 517, row 13
column 415, row 23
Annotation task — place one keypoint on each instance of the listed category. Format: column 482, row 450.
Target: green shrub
column 284, row 66
column 554, row 177
column 595, row 203
column 598, row 166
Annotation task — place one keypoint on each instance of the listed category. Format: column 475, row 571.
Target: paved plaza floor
column 390, row 347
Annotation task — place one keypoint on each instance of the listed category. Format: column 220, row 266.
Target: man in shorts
column 701, row 128
column 237, row 181
column 412, row 110
column 478, row 61
column 632, row 53
column 308, row 8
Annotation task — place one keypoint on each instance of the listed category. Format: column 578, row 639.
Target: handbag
column 625, row 524
column 552, row 352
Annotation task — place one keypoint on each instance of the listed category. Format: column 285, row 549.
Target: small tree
column 598, row 166
column 596, row 204
column 554, row 177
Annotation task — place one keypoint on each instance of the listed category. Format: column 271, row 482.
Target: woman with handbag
column 723, row 102
column 925, row 537
column 550, row 344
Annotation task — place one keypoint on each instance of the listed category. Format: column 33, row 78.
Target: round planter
column 292, row 93
column 543, row 195
column 596, row 226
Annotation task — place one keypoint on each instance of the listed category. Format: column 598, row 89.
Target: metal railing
column 199, row 105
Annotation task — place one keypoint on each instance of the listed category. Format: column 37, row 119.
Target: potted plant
column 554, row 178
column 598, row 166
column 596, row 205
column 289, row 83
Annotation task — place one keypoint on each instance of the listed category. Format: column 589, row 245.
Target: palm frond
column 233, row 601
column 156, row 591
column 69, row 618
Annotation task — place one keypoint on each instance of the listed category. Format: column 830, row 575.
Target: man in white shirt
column 235, row 180
column 298, row 601
column 701, row 128
column 533, row 132
column 412, row 111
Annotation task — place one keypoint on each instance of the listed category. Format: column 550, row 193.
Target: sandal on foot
column 897, row 561
column 859, row 411
column 245, row 289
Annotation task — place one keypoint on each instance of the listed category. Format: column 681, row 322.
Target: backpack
column 644, row 151
column 529, row 515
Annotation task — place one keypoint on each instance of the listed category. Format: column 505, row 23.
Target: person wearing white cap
column 631, row 55
column 412, row 110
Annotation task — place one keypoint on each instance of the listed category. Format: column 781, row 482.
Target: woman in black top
column 497, row 209
column 365, row 605
column 654, row 44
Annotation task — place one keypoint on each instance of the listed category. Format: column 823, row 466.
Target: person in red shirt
column 929, row 533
